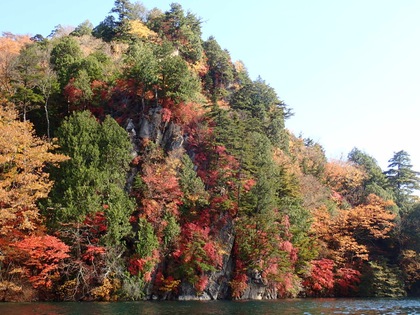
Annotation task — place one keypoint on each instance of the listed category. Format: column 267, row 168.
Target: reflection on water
column 289, row 307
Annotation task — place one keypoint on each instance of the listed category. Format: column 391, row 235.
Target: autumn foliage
column 173, row 175
column 23, row 157
column 42, row 257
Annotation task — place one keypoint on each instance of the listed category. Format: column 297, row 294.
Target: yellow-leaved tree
column 23, row 181
column 139, row 29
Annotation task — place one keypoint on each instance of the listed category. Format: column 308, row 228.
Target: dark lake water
column 289, row 307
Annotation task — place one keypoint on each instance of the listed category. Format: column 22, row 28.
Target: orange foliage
column 23, row 157
column 167, row 284
column 163, row 189
column 159, row 194
column 184, row 113
column 348, row 234
column 92, row 252
column 410, row 263
column 344, row 177
column 371, row 220
column 23, row 181
column 10, row 46
column 43, row 255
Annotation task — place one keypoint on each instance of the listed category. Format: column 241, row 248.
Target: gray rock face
column 218, row 287
column 170, row 136
column 173, row 137
column 190, row 294
column 144, row 128
column 166, row 134
column 259, row 291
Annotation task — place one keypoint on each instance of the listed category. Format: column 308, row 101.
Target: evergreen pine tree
column 402, row 178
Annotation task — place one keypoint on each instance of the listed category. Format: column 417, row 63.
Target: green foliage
column 171, row 230
column 183, row 30
column 81, row 82
column 26, row 79
column 142, row 65
column 94, row 178
column 147, row 241
column 92, row 65
column 133, row 288
column 262, row 197
column 257, row 98
column 26, row 99
column 244, row 178
column 106, row 30
column 220, row 74
column 83, row 29
column 402, row 178
column 115, row 151
column 77, row 180
column 231, row 131
column 260, row 101
column 118, row 209
column 382, row 280
column 124, row 10
column 410, row 228
column 178, row 82
column 191, row 185
column 376, row 182
column 258, row 242
column 65, row 53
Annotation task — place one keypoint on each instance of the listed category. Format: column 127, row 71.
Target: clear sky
column 350, row 70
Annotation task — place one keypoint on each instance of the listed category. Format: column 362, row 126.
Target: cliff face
column 218, row 287
column 170, row 136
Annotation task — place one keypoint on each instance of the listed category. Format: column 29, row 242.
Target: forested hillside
column 139, row 161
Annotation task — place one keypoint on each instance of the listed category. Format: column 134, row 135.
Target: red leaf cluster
column 321, row 280
column 43, row 255
column 92, row 252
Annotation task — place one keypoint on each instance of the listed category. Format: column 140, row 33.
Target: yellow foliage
column 169, row 285
column 106, row 292
column 283, row 159
column 310, row 159
column 173, row 162
column 9, row 288
column 139, row 29
column 68, row 289
column 23, row 157
column 89, row 44
column 200, row 67
column 239, row 66
column 17, row 271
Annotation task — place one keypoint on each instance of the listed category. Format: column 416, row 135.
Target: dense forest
column 138, row 161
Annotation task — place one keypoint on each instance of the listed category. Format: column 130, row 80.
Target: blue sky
column 350, row 70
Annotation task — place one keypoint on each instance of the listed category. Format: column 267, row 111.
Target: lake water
column 289, row 307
